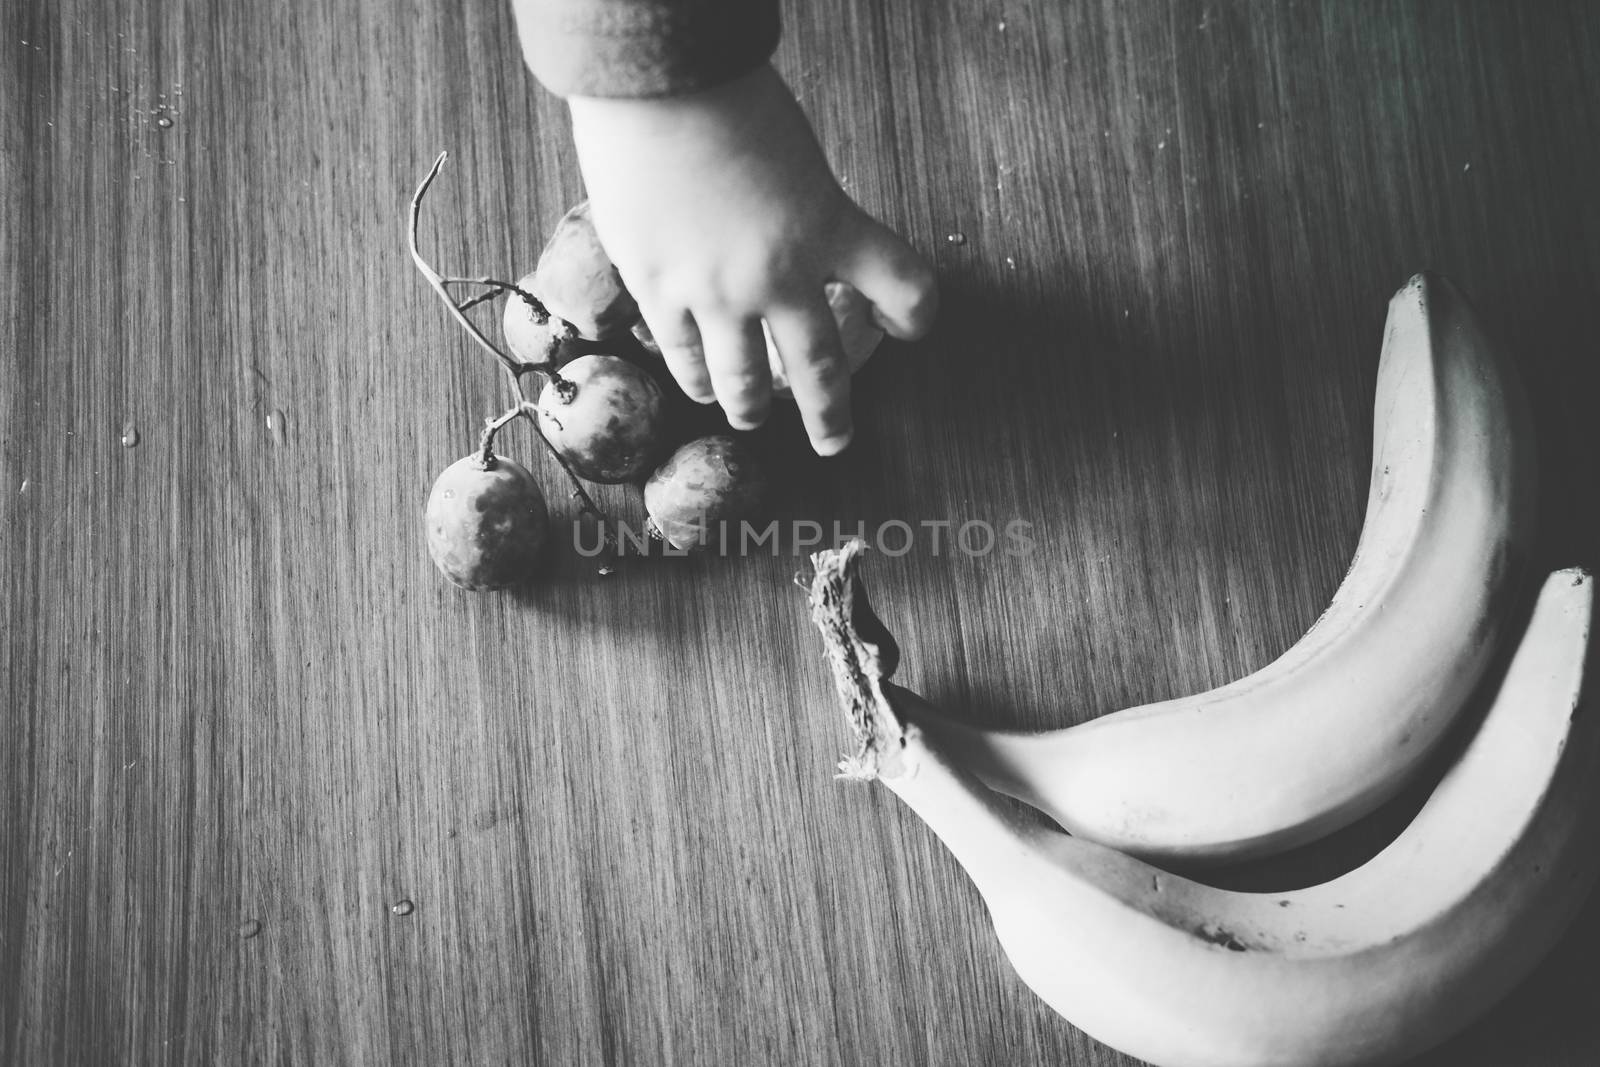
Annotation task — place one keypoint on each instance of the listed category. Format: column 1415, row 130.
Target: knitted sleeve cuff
column 639, row 48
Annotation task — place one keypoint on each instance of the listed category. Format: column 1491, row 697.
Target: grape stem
column 439, row 282
column 564, row 330
column 515, row 369
column 486, row 456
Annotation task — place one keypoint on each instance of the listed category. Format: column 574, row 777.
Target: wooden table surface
column 244, row 718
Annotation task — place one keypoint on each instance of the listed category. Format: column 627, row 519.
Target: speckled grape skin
column 486, row 528
column 614, row 426
column 707, row 481
column 577, row 280
column 530, row 340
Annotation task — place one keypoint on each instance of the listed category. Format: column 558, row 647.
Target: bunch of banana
column 1373, row 966
column 1336, row 725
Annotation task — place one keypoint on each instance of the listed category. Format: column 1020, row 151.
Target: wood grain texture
column 238, row 700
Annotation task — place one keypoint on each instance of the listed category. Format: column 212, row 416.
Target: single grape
column 577, row 280
column 707, row 481
column 606, row 417
column 487, row 525
column 530, row 340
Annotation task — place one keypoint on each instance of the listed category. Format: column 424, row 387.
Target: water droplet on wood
column 130, row 435
column 249, row 928
column 278, row 426
column 403, row 907
column 957, row 238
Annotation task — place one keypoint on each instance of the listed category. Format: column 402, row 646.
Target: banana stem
column 990, row 837
column 862, row 654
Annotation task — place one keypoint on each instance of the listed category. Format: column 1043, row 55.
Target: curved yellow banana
column 1369, row 968
column 1335, row 726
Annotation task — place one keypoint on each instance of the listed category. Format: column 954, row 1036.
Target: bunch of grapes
column 572, row 327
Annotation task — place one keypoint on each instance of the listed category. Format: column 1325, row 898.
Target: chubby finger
column 736, row 356
column 807, row 339
column 678, row 338
column 899, row 282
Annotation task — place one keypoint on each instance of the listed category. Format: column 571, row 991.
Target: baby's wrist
column 719, row 105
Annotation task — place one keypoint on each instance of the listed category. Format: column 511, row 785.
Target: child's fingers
column 736, row 356
column 678, row 338
column 807, row 339
column 899, row 282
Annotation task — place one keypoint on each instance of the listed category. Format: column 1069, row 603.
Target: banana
column 1335, row 726
column 1369, row 968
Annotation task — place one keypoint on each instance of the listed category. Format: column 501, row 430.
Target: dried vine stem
column 563, row 330
column 515, row 370
column 486, row 456
column 439, row 283
column 862, row 653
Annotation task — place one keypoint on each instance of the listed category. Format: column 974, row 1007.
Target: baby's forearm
column 643, row 48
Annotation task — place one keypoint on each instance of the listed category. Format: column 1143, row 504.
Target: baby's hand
column 720, row 211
